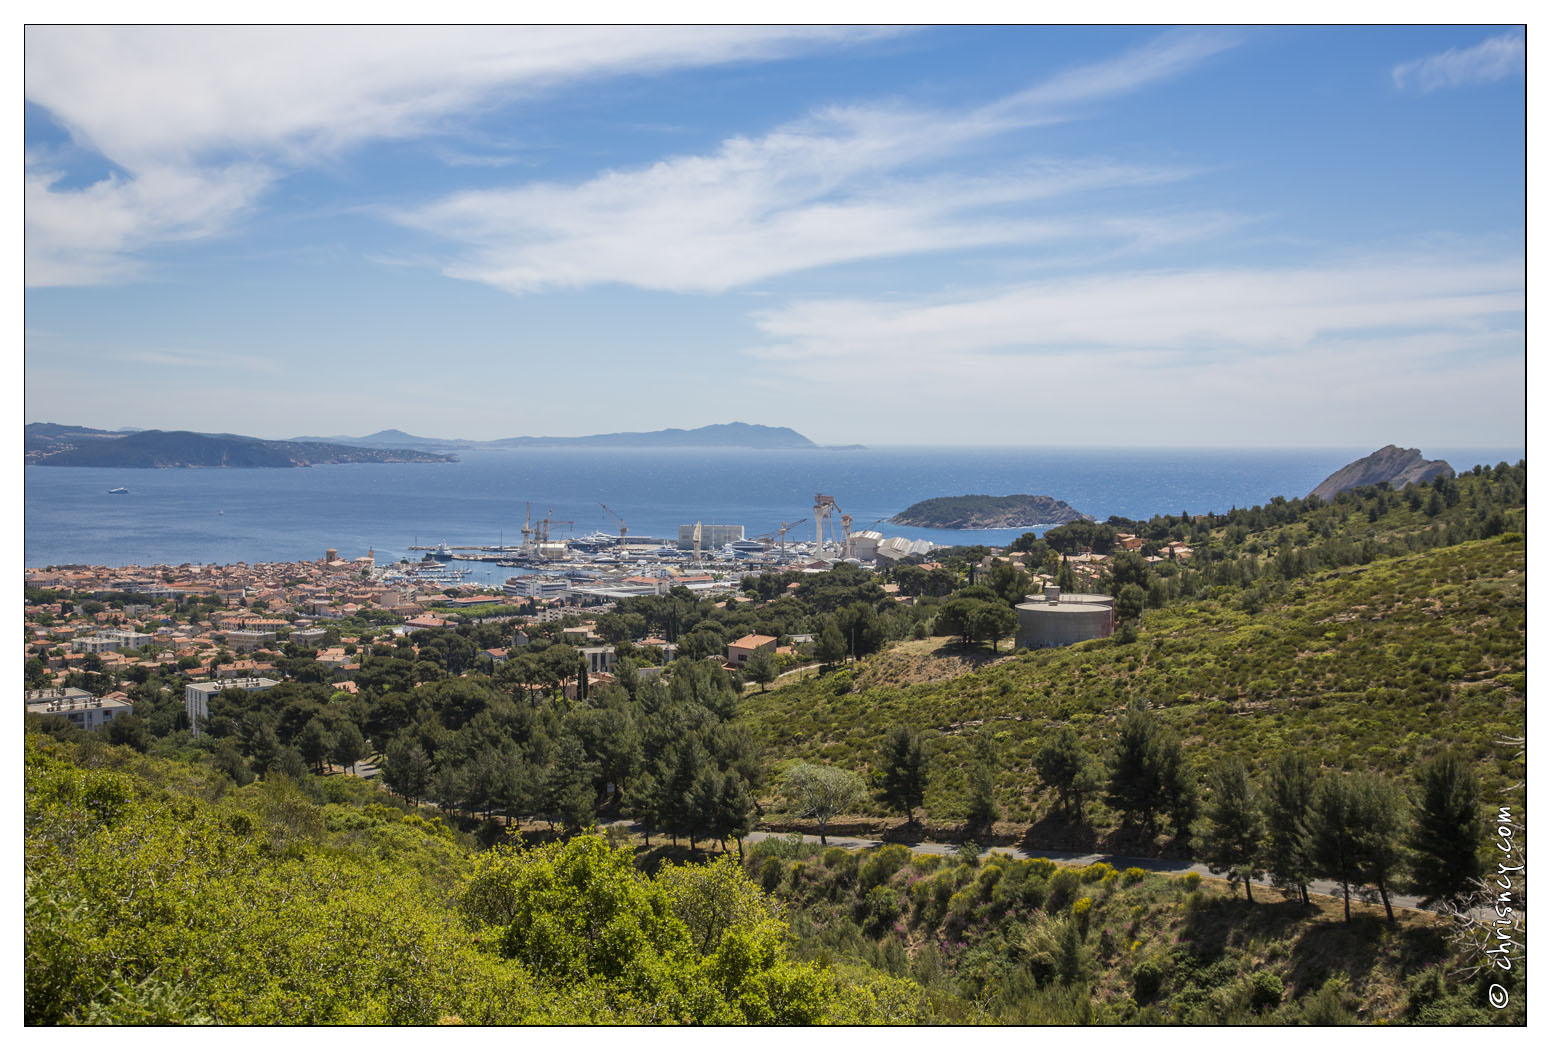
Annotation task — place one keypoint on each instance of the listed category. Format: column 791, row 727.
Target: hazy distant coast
column 83, row 447
column 718, row 435
column 64, row 445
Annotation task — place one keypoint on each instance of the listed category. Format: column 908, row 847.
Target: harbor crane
column 782, row 530
column 623, row 529
column 697, row 543
column 824, row 510
column 549, row 520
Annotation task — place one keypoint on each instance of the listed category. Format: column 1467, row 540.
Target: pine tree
column 1443, row 839
column 1065, row 767
column 1234, row 826
column 904, row 772
column 1379, row 813
column 1288, row 802
column 1337, row 832
column 1146, row 769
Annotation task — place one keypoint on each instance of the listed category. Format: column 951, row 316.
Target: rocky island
column 1018, row 511
column 1392, row 465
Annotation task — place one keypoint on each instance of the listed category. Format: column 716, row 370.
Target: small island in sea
column 979, row 511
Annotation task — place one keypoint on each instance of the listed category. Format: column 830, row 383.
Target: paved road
column 1170, row 866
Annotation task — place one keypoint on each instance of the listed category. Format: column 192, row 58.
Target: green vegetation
column 159, row 893
column 1318, row 691
column 1377, row 667
column 988, row 512
column 1026, row 942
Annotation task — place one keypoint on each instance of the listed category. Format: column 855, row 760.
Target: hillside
column 1393, row 654
column 159, row 892
column 1018, row 511
column 1391, row 466
column 188, row 449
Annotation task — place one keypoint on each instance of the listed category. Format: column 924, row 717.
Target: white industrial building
column 712, row 537
column 897, row 548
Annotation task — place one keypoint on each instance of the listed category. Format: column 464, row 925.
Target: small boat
column 120, row 491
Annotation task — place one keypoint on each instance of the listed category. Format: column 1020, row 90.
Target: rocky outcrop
column 1393, row 465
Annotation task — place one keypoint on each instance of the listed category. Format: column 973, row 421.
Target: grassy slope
column 1025, row 943
column 1371, row 667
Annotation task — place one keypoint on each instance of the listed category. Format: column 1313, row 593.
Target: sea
column 202, row 516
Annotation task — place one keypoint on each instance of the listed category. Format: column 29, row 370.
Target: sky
column 955, row 236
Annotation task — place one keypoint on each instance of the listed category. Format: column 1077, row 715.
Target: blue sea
column 226, row 516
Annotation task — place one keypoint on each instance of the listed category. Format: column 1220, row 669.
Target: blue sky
column 1300, row 236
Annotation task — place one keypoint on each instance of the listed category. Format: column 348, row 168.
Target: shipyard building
column 712, row 537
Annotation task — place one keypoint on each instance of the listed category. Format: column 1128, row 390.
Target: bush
column 880, row 865
column 1134, row 875
column 1190, row 880
column 770, row 873
column 1146, row 980
column 1329, row 1006
column 1265, row 990
column 1062, row 890
column 1095, row 872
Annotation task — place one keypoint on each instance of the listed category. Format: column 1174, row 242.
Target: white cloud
column 1345, row 354
column 832, row 188
column 1158, row 316
column 195, row 359
column 199, row 120
column 1342, row 351
column 1493, row 59
column 89, row 236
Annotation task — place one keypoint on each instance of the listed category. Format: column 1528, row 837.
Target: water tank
column 1054, row 619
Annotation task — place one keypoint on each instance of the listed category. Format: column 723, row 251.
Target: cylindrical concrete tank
column 1060, row 620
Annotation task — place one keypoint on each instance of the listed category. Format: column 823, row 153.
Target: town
column 95, row 632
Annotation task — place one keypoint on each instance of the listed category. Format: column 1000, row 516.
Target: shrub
column 1265, row 990
column 1146, row 980
column 1134, row 875
column 770, row 873
column 1329, row 1006
column 880, row 865
column 1190, row 880
column 1095, row 872
column 1061, row 890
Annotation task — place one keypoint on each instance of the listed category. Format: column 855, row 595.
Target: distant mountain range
column 718, row 435
column 63, row 445
column 55, row 445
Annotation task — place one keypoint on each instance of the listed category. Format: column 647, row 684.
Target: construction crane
column 549, row 520
column 784, row 527
column 623, row 529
